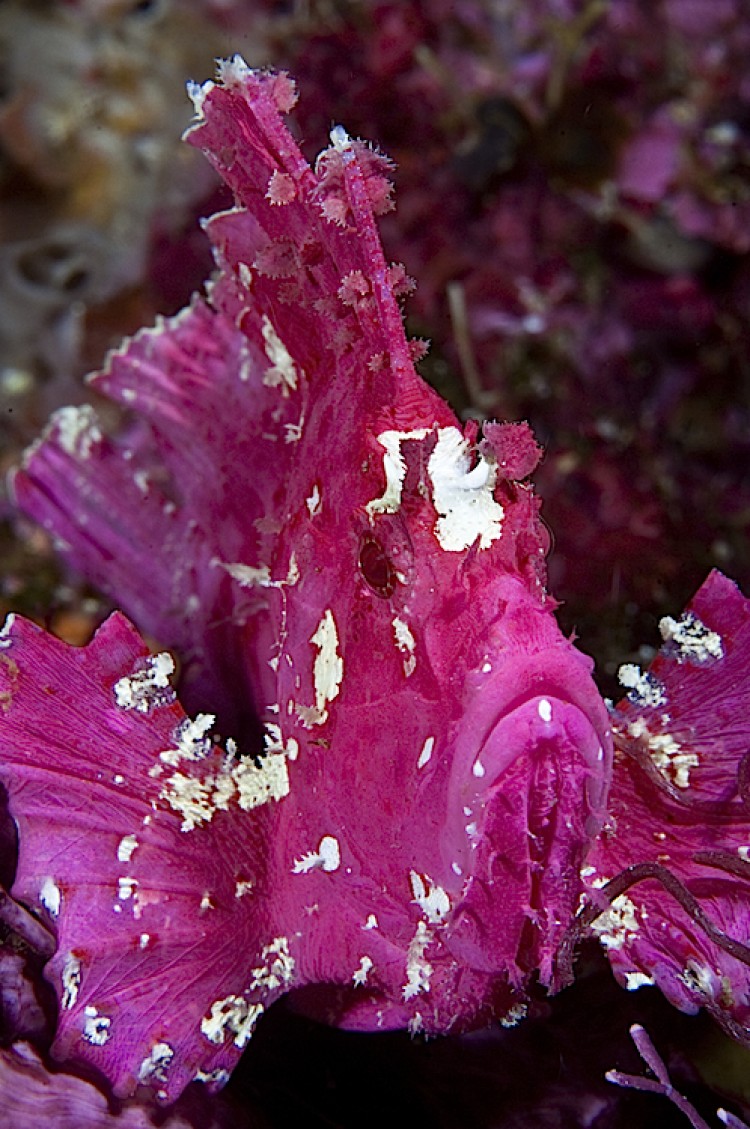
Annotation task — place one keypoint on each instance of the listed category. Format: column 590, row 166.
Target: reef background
column 573, row 199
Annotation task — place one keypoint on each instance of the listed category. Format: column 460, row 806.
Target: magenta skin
column 338, row 563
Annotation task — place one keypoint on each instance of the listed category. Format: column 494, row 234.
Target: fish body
column 342, row 569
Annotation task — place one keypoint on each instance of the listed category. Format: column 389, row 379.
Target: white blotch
column 232, row 1016
column 431, row 899
column 247, row 576
column 283, row 371
column 190, row 740
column 327, row 857
column 359, row 979
column 371, row 923
column 277, row 970
column 544, row 709
column 328, row 671
column 692, row 641
column 462, row 495
column 478, row 769
column 636, row 980
column 126, row 847
column 218, row 1077
column 394, row 467
column 514, row 1015
column 418, row 970
column 71, row 981
column 6, row 629
column 617, row 925
column 406, row 644
column 78, row 430
column 673, row 761
column 50, row 896
column 643, row 688
column 154, row 1067
column 126, row 888
column 313, row 502
column 148, row 687
column 96, row 1027
column 340, row 139
column 197, row 93
column 426, row 752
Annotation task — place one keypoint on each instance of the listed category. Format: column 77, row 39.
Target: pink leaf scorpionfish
column 344, row 569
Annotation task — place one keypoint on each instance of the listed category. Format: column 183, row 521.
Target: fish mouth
column 521, row 723
column 537, row 726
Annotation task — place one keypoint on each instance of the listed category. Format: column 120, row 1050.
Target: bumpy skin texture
column 302, row 519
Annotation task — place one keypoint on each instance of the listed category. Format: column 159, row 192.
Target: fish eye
column 376, row 567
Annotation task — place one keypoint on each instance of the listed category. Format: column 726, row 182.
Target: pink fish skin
column 336, row 562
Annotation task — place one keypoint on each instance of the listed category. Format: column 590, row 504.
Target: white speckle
column 277, row 970
column 148, row 688
column 394, row 467
column 232, row 1016
column 126, row 888
column 426, row 753
column 544, row 710
column 462, row 496
column 691, row 640
column 126, row 847
column 327, row 857
column 456, row 869
column 643, row 689
column 418, row 971
column 328, row 671
column 371, row 923
column 50, row 896
column 471, row 829
column 143, row 940
column 636, row 980
column 242, row 887
column 96, row 1027
column 405, row 643
column 71, row 982
column 617, row 925
column 118, row 779
column 77, row 430
column 206, row 903
column 283, row 371
column 486, row 667
column 313, row 502
column 359, row 979
column 415, row 1024
column 744, row 853
column 478, row 769
column 431, row 899
column 153, row 1068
